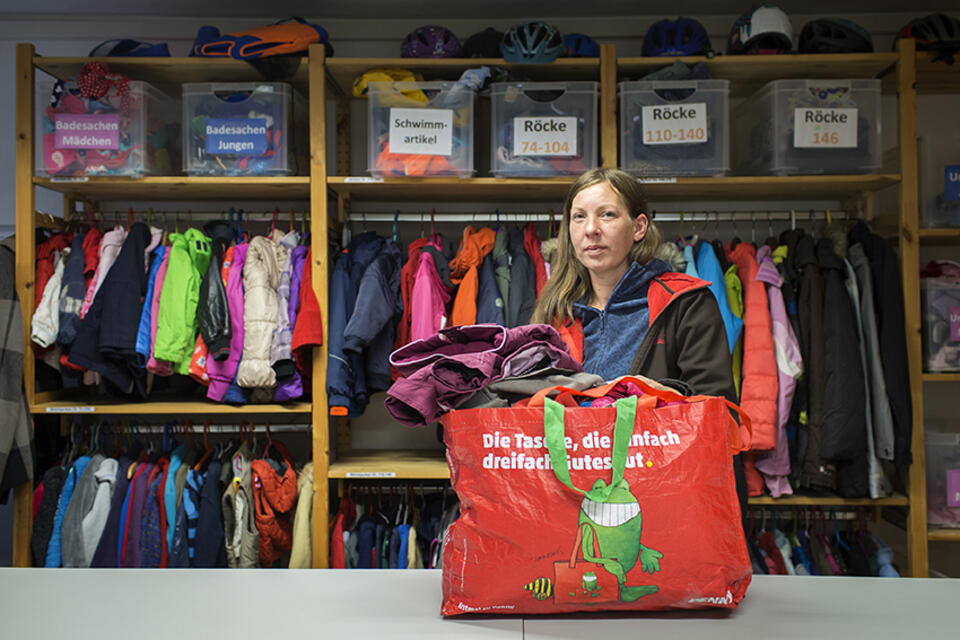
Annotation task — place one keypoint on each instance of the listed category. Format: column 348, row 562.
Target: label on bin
column 236, row 136
column 427, row 131
column 954, row 324
column 86, row 131
column 815, row 128
column 953, row 487
column 675, row 123
column 951, row 182
column 545, row 136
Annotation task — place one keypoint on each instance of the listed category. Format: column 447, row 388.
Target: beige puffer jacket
column 261, row 277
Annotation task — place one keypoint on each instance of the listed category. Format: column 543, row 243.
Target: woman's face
column 602, row 231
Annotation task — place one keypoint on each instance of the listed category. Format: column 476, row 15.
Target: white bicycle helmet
column 763, row 29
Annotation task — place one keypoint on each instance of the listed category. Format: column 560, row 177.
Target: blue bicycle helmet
column 680, row 37
column 579, row 45
column 531, row 43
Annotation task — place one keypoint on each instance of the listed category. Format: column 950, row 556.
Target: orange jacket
column 758, row 392
column 464, row 270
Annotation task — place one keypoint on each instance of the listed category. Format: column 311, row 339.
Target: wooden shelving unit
column 943, row 535
column 401, row 465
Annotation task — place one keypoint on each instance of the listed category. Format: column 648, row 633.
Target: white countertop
column 135, row 604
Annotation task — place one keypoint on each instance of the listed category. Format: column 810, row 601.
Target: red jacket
column 308, row 330
column 758, row 392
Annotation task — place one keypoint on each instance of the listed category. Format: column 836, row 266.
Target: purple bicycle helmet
column 431, row 41
column 680, row 37
column 531, row 43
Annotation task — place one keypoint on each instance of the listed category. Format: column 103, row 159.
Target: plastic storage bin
column 243, row 129
column 943, row 478
column 420, row 129
column 543, row 128
column 132, row 135
column 809, row 127
column 940, row 179
column 940, row 304
column 674, row 128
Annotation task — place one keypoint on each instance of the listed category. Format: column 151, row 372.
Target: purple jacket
column 775, row 466
column 291, row 387
column 222, row 373
column 444, row 371
column 137, row 498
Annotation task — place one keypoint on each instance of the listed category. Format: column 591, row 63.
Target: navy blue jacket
column 523, row 281
column 209, row 549
column 489, row 302
column 72, row 289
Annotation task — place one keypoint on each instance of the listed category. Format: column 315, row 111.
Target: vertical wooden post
column 319, row 272
column 25, row 276
column 608, row 105
column 910, row 268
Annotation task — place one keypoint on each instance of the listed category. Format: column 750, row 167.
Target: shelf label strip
column 371, row 474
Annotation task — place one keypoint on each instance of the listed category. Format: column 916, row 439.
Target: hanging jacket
column 152, row 546
column 45, row 324
column 489, row 303
column 107, row 337
column 261, row 275
column 844, row 427
column 369, row 331
column 688, row 256
column 72, row 290
column 105, row 555
column 775, row 466
column 91, row 253
column 802, row 263
column 240, row 532
column 177, row 321
column 210, row 549
column 95, row 521
column 54, row 549
column 222, row 373
column 281, row 358
column 213, row 313
column 474, row 247
column 758, row 390
column 407, row 278
column 301, row 553
column 523, row 281
column 52, row 483
column 144, row 338
column 735, row 299
column 108, row 251
column 882, row 422
column 532, row 244
column 889, row 305
column 501, row 267
column 72, row 547
column 177, row 457
column 274, row 497
column 877, row 486
column 159, row 367
column 47, row 254
column 429, row 299
column 308, row 330
column 708, row 268
column 290, row 387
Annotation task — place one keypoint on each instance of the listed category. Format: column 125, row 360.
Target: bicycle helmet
column 834, row 36
column 680, row 37
column 531, row 43
column 935, row 32
column 762, row 29
column 483, row 44
column 431, row 41
column 579, row 45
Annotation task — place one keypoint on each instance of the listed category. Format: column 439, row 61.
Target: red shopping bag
column 642, row 491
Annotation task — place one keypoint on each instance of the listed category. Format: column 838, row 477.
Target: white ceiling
column 452, row 9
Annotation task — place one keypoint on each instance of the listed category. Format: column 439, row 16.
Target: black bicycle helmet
column 935, row 32
column 483, row 44
column 836, row 35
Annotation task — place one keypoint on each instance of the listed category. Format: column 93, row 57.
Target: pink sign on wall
column 86, row 131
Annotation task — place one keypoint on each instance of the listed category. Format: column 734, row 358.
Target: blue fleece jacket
column 611, row 336
column 170, row 491
column 709, row 269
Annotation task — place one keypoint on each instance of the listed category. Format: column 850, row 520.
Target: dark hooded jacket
column 213, row 313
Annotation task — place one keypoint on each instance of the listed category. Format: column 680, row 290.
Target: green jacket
column 177, row 314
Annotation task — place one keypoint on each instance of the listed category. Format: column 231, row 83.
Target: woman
column 622, row 311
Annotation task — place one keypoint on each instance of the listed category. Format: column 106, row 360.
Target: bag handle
column 667, row 395
column 553, row 431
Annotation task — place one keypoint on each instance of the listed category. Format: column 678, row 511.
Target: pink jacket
column 159, row 367
column 109, row 250
column 429, row 300
column 222, row 373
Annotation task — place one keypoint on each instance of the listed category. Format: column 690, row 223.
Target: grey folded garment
column 505, row 392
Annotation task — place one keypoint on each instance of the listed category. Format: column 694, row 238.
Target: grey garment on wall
column 507, row 391
column 81, row 502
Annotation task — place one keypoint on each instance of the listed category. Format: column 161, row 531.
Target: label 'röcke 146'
column 675, row 123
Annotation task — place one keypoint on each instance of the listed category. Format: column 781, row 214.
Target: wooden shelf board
column 943, row 535
column 939, row 236
column 936, row 77
column 897, row 500
column 343, row 71
column 183, row 188
column 941, row 377
column 422, row 465
column 749, row 73
column 164, row 408
column 532, row 190
column 170, row 73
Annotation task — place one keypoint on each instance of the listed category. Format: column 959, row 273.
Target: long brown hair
column 569, row 279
